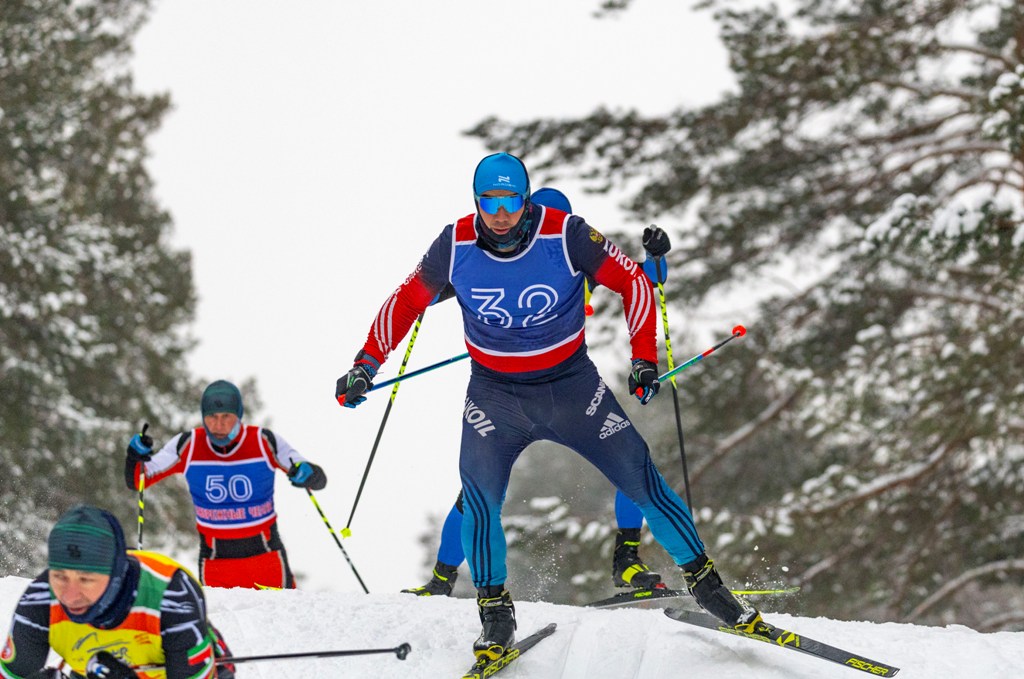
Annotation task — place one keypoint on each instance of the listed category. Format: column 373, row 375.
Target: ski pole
column 400, row 651
column 346, row 531
column 414, row 373
column 764, row 592
column 738, row 331
column 337, row 541
column 142, row 492
column 675, row 388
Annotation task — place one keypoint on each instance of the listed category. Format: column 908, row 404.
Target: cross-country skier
column 628, row 569
column 104, row 609
column 518, row 272
column 229, row 467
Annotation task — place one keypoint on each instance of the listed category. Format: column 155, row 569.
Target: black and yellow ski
column 486, row 668
column 791, row 640
column 639, row 596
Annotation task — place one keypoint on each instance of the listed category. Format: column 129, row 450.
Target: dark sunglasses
column 490, row 204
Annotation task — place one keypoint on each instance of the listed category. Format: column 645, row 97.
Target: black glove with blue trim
column 356, row 382
column 307, row 475
column 643, row 380
column 140, row 448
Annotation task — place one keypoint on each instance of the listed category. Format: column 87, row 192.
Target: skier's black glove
column 356, row 382
column 643, row 380
column 140, row 448
column 656, row 241
column 656, row 244
column 104, row 665
column 307, row 475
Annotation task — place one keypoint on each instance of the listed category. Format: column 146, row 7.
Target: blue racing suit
column 531, row 377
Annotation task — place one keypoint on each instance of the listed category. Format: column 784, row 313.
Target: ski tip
column 548, row 629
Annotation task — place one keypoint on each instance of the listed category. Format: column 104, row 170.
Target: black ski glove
column 104, row 665
column 307, row 475
column 353, row 384
column 643, row 380
column 656, row 244
column 656, row 241
column 356, row 382
column 140, row 448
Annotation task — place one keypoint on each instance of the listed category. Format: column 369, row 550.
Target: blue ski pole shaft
column 738, row 331
column 414, row 373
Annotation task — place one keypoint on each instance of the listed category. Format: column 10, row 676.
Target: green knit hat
column 84, row 540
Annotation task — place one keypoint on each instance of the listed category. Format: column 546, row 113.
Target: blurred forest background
column 864, row 440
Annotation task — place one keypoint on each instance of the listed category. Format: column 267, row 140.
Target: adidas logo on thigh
column 612, row 424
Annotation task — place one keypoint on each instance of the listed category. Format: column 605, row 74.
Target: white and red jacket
column 233, row 488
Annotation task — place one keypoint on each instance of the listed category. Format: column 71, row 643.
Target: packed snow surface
column 622, row 643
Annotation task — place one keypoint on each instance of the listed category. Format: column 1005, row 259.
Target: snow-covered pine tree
column 94, row 302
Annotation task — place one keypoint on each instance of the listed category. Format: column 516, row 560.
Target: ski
column 791, row 640
column 486, row 668
column 637, row 596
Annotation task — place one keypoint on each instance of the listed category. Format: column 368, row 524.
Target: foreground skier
column 518, row 272
column 628, row 569
column 103, row 608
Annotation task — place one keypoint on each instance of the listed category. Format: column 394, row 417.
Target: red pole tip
column 739, row 330
column 588, row 310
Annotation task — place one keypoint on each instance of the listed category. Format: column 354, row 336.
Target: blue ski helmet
column 552, row 198
column 501, row 171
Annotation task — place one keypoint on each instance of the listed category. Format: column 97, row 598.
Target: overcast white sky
column 313, row 153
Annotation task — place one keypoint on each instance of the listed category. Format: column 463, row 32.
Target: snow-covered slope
column 589, row 644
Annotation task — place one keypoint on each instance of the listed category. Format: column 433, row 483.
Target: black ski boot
column 713, row 596
column 498, row 615
column 627, row 568
column 441, row 582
